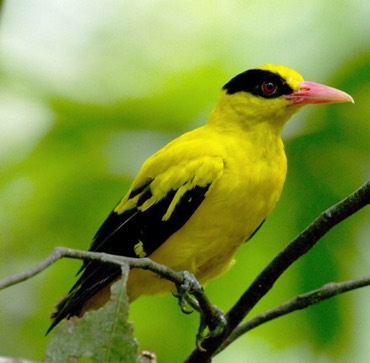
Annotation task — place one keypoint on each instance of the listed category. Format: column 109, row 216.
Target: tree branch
column 180, row 279
column 60, row 252
column 297, row 303
column 265, row 281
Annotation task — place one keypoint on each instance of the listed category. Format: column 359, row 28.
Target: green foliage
column 102, row 336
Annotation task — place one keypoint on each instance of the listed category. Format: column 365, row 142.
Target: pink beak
column 310, row 92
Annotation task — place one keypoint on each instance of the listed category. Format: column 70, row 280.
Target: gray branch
column 267, row 278
column 297, row 303
column 180, row 279
column 60, row 252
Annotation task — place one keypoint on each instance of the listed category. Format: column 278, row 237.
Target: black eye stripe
column 252, row 80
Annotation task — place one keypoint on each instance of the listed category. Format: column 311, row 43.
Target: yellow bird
column 196, row 200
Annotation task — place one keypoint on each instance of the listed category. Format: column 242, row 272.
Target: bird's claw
column 220, row 323
column 217, row 327
column 189, row 285
column 184, row 303
column 215, row 321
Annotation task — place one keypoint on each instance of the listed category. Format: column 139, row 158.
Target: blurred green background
column 89, row 89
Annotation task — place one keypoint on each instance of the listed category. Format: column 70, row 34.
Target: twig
column 204, row 306
column 297, row 303
column 297, row 248
column 60, row 252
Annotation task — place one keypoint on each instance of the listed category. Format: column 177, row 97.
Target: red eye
column 268, row 88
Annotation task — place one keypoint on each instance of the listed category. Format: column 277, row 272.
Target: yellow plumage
column 240, row 152
column 195, row 202
column 246, row 182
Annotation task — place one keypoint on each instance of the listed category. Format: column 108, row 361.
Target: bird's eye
column 268, row 88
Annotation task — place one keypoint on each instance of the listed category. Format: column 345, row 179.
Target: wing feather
column 154, row 208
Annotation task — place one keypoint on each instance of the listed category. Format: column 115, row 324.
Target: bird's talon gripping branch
column 189, row 285
column 200, row 339
column 183, row 302
column 217, row 326
column 184, row 306
column 219, row 323
column 200, row 334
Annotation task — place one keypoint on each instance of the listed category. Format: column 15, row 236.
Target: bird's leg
column 210, row 316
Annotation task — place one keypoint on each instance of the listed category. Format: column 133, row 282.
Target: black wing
column 133, row 233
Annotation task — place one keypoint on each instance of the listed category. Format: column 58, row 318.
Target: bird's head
column 273, row 93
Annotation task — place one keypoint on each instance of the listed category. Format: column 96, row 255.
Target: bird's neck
column 248, row 114
column 260, row 141
column 230, row 120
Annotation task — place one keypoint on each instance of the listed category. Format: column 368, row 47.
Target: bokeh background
column 89, row 89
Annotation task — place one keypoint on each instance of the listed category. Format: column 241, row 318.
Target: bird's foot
column 190, row 293
column 216, row 326
column 189, row 286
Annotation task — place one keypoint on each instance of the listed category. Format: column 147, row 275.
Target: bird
column 199, row 198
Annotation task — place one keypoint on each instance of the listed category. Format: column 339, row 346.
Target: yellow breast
column 251, row 183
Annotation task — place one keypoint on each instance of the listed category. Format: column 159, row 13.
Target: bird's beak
column 310, row 92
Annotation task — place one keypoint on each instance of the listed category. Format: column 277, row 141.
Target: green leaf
column 102, row 335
